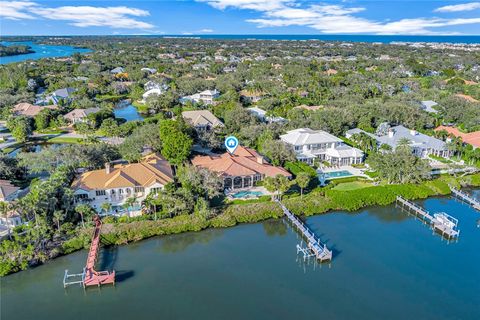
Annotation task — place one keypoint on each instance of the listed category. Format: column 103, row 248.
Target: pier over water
column 315, row 247
column 466, row 198
column 441, row 222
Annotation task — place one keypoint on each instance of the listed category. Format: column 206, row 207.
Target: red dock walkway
column 92, row 277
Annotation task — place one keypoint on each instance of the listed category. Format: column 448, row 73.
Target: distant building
column 421, row 144
column 149, row 70
column 80, row 115
column 472, row 138
column 311, row 145
column 251, row 96
column 205, row 97
column 149, row 85
column 64, row 94
column 241, row 170
column 428, row 106
column 29, row 110
column 151, row 92
column 202, row 120
column 8, row 192
column 117, row 70
column 261, row 115
column 115, row 184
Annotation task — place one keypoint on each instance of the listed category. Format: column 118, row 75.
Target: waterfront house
column 80, row 115
column 422, row 145
column 117, row 183
column 29, row 110
column 428, row 106
column 317, row 145
column 239, row 170
column 202, row 120
column 152, row 92
column 205, row 97
column 472, row 138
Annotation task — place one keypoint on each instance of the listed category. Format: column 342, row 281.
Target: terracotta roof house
column 202, row 120
column 310, row 145
column 240, row 170
column 29, row 110
column 472, row 138
column 466, row 97
column 80, row 115
column 115, row 184
column 8, row 192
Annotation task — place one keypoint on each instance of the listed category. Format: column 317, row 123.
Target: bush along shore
column 318, row 201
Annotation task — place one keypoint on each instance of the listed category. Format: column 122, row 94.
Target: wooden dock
column 90, row 277
column 441, row 222
column 466, row 198
column 315, row 248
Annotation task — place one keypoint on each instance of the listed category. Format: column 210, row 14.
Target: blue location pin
column 231, row 143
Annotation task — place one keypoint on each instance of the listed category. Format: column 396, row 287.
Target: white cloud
column 16, row 10
column 206, row 30
column 119, row 17
column 459, row 7
column 332, row 19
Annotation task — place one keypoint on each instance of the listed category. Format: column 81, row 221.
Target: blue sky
column 68, row 17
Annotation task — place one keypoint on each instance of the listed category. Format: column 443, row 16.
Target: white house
column 428, row 106
column 261, row 115
column 149, row 85
column 115, row 184
column 149, row 70
column 151, row 92
column 205, row 97
column 310, row 145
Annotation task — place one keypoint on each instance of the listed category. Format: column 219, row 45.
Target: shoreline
column 318, row 201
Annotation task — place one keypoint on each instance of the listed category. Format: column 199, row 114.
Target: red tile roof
column 244, row 162
column 472, row 138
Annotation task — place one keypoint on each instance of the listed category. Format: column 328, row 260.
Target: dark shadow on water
column 180, row 242
column 274, row 227
column 391, row 214
column 108, row 258
column 123, row 275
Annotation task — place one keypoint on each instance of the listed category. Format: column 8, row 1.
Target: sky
column 185, row 17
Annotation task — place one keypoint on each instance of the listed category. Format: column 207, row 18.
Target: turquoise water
column 337, row 174
column 41, row 51
column 247, row 194
column 128, row 112
column 386, row 265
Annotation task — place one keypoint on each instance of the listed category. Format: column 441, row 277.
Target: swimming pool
column 337, row 174
column 247, row 194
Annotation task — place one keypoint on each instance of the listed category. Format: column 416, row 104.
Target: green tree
column 302, row 180
column 20, row 127
column 176, row 144
column 85, row 212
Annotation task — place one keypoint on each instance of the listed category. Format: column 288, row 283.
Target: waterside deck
column 441, row 222
column 466, row 198
column 314, row 247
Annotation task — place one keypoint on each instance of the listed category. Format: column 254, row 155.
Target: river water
column 387, row 265
column 41, row 51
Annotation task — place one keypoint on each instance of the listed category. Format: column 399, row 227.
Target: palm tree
column 270, row 183
column 129, row 203
column 302, row 180
column 149, row 202
column 283, row 184
column 58, row 215
column 83, row 210
column 106, row 207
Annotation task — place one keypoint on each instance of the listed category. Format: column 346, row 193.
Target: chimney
column 391, row 133
column 260, row 159
column 108, row 168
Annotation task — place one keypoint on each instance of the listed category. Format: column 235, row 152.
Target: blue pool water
column 337, row 174
column 247, row 194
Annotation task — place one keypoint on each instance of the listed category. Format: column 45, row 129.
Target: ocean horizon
column 470, row 39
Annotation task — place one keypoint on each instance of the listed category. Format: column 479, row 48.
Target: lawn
column 65, row 140
column 347, row 186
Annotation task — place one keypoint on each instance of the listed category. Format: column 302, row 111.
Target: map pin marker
column 231, row 143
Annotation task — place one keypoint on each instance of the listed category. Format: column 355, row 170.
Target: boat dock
column 315, row 248
column 441, row 222
column 466, row 198
column 90, row 277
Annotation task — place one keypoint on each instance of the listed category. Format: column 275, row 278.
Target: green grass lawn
column 347, row 186
column 65, row 140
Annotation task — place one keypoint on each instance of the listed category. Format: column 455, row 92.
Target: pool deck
column 253, row 189
column 355, row 172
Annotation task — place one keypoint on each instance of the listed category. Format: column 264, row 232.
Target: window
column 81, row 196
column 139, row 189
column 100, row 192
column 120, row 191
